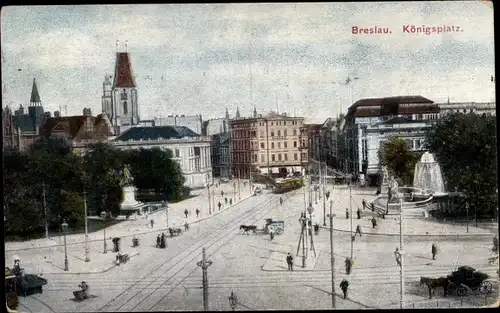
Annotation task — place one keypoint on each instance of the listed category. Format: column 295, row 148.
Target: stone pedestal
column 129, row 203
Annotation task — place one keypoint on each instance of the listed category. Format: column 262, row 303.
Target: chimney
column 57, row 114
column 87, row 112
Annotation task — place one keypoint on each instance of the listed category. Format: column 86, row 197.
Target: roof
column 399, row 119
column 156, row 132
column 123, row 72
column 71, row 124
column 24, row 122
column 35, row 96
column 370, row 102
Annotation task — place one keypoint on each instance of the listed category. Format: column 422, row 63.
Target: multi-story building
column 330, row 148
column 189, row 149
column 269, row 145
column 79, row 131
column 21, row 129
column 467, row 107
column 313, row 135
column 365, row 117
column 218, row 131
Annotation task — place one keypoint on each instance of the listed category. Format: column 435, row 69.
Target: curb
column 92, row 272
column 412, row 235
column 125, row 236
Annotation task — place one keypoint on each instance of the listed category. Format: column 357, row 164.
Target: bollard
column 461, row 301
column 437, row 304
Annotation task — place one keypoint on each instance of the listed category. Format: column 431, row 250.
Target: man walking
column 197, row 212
column 158, row 241
column 374, row 222
column 364, row 204
column 152, row 223
column 225, row 200
column 281, row 201
column 220, row 204
column 397, row 255
column 289, row 261
column 434, row 251
column 359, row 213
column 495, row 244
column 222, row 193
column 346, row 214
column 348, row 266
column 358, row 231
column 186, row 226
column 186, row 212
column 344, row 285
column 230, row 201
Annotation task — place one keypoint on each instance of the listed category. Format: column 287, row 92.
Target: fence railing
column 463, row 302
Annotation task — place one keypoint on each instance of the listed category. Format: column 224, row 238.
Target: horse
column 247, row 228
column 433, row 283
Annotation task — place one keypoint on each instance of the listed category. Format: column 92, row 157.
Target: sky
column 286, row 57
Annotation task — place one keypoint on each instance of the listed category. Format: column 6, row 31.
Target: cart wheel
column 279, row 231
column 485, row 287
column 461, row 291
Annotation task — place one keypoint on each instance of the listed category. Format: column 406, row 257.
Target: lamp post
column 213, row 199
column 324, row 198
column 303, row 224
column 310, row 210
column 103, row 217
column 233, row 300
column 350, row 213
column 87, row 257
column 209, row 202
column 165, row 204
column 332, row 259
column 401, row 253
column 64, row 226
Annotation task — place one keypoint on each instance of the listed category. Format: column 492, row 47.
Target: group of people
column 160, row 241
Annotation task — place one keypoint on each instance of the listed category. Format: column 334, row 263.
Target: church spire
column 227, row 114
column 254, row 111
column 237, row 111
column 35, row 97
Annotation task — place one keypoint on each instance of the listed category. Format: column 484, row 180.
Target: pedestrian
column 495, row 244
column 222, row 193
column 358, row 231
column 378, row 192
column 434, row 251
column 364, row 204
column 289, row 261
column 225, row 200
column 374, row 222
column 348, row 266
column 197, row 212
column 186, row 226
column 220, row 204
column 344, row 284
column 230, row 201
column 271, row 235
column 346, row 214
column 162, row 241
column 372, row 207
column 281, row 201
column 316, row 229
column 397, row 255
column 186, row 212
column 158, row 241
column 359, row 213
column 152, row 223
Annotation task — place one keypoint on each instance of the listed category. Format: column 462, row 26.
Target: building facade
column 21, row 129
column 189, row 149
column 487, row 108
column 268, row 145
column 218, row 131
column 368, row 114
column 120, row 98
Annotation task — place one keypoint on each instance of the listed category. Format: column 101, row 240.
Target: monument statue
column 127, row 176
column 385, row 176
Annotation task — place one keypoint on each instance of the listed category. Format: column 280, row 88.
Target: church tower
column 227, row 114
column 237, row 112
column 107, row 103
column 254, row 112
column 125, row 110
column 35, row 109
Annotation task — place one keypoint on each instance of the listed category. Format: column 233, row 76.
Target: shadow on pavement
column 341, row 297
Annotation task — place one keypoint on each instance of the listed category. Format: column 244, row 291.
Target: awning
column 135, row 207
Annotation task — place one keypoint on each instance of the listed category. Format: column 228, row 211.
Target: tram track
column 191, row 253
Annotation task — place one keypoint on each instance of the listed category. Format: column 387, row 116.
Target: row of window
column 253, row 134
column 239, row 157
column 282, row 123
column 278, row 144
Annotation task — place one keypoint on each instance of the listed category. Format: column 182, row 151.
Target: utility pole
column 204, row 264
column 401, row 274
column 332, row 259
column 350, row 210
column 87, row 258
column 209, row 202
column 324, row 199
column 45, row 212
column 239, row 189
column 302, row 238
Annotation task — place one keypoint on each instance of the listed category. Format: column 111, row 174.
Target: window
column 273, row 158
column 272, row 134
column 262, row 145
column 295, row 156
column 279, row 133
column 279, row 145
column 279, row 157
column 123, row 95
column 285, row 144
column 271, row 123
column 286, row 157
column 295, row 132
column 272, row 145
column 262, row 158
column 125, row 107
column 284, row 133
column 176, row 153
column 295, row 144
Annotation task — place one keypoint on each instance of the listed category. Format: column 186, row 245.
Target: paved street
column 169, row 279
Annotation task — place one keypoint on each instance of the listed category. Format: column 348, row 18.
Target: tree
column 104, row 167
column 154, row 169
column 400, row 161
column 466, row 148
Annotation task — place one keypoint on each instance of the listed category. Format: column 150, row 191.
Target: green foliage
column 400, row 161
column 155, row 170
column 466, row 148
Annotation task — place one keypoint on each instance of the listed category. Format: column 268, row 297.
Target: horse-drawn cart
column 465, row 278
column 277, row 227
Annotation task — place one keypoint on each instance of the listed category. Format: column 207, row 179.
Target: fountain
column 428, row 177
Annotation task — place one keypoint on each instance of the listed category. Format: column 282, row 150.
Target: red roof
column 123, row 71
column 69, row 124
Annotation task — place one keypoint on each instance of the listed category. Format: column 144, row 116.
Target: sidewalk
column 142, row 225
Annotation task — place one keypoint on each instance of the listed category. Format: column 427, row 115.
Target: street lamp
column 302, row 221
column 103, row 216
column 332, row 255
column 64, row 226
column 213, row 199
column 233, row 300
column 165, row 204
column 310, row 210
